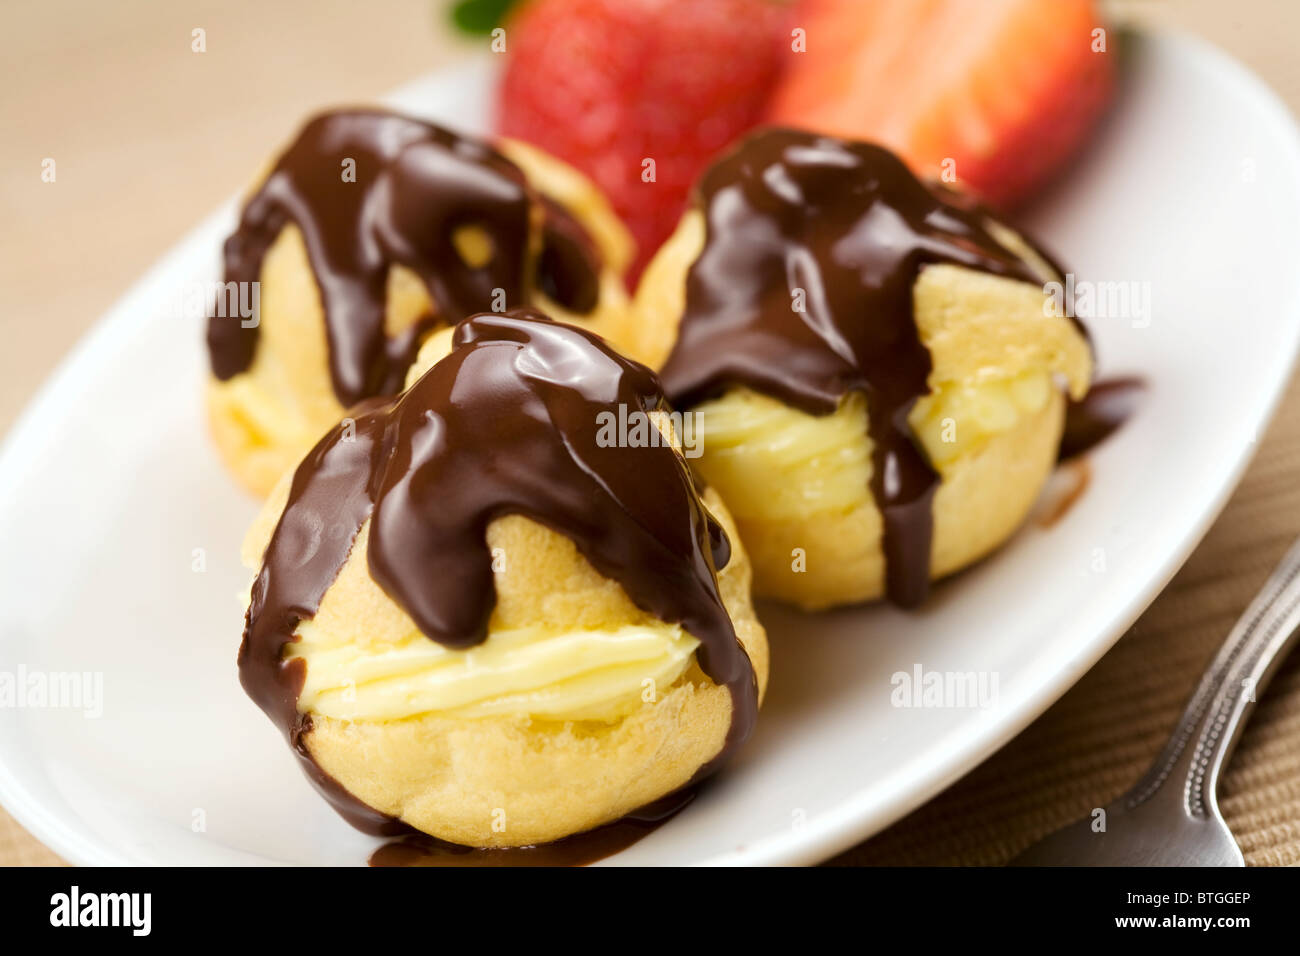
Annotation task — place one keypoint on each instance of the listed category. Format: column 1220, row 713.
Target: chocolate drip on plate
column 803, row 291
column 1092, row 419
column 508, row 423
column 371, row 189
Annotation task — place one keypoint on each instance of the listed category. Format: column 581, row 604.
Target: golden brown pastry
column 482, row 614
column 371, row 230
column 879, row 387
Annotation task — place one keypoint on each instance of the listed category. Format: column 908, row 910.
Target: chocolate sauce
column 370, row 189
column 314, row 536
column 581, row 849
column 506, row 424
column 803, row 291
column 568, row 270
column 1105, row 408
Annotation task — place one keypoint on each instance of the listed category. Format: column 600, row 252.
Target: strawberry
column 998, row 92
column 608, row 85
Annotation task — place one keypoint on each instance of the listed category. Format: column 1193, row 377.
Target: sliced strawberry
column 608, row 85
column 999, row 92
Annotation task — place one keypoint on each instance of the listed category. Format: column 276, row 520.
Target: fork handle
column 1215, row 716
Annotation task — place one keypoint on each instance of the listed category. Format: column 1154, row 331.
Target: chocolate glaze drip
column 415, row 185
column 568, row 271
column 506, row 424
column 328, row 503
column 1107, row 406
column 840, row 229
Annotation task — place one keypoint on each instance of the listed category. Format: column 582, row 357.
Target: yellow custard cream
column 810, row 463
column 820, row 463
column 577, row 675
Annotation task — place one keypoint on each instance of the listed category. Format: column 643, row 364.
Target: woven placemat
column 1096, row 741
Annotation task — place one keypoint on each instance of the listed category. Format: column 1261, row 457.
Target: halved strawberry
column 999, row 92
column 640, row 94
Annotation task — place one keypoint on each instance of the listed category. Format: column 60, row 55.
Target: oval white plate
column 121, row 530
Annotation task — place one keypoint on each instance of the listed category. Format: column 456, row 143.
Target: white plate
column 109, row 484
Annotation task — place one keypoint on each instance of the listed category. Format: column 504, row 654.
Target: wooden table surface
column 150, row 136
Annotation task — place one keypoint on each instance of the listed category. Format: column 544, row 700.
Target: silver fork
column 1171, row 816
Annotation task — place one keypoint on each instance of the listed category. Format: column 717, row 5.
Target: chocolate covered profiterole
column 879, row 382
column 370, row 231
column 477, row 617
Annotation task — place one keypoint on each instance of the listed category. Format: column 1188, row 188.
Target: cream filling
column 814, row 464
column 773, row 462
column 575, row 675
